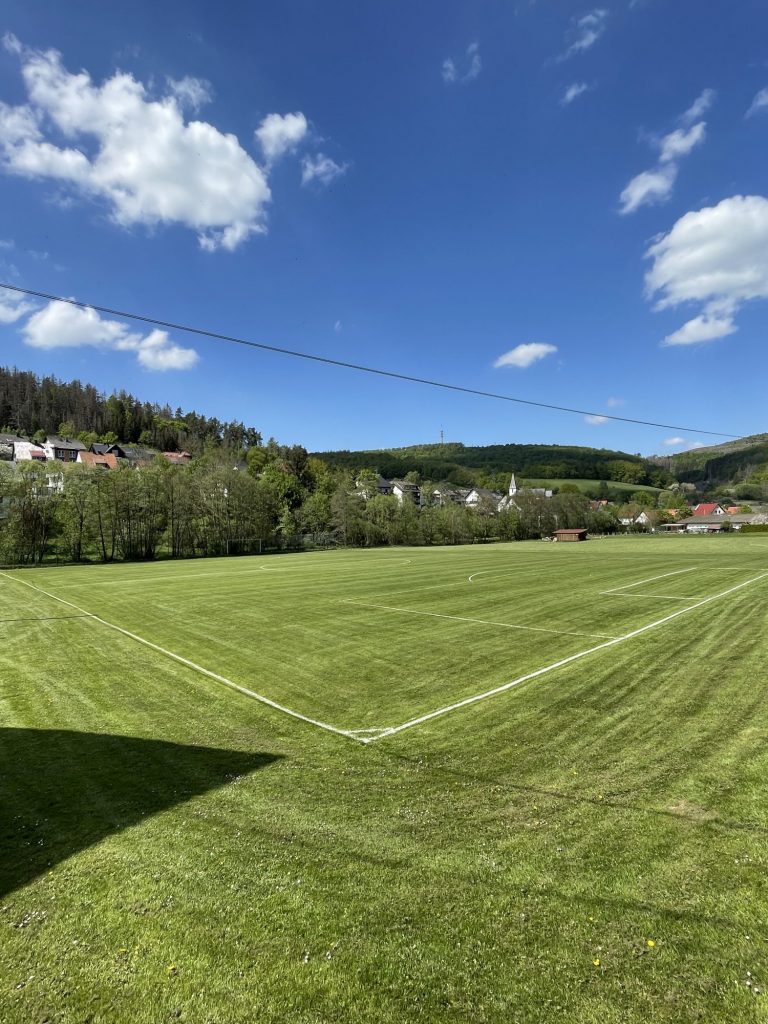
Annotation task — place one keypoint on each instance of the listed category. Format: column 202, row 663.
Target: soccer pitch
column 509, row 782
column 367, row 644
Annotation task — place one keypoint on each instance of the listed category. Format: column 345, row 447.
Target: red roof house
column 93, row 460
column 709, row 508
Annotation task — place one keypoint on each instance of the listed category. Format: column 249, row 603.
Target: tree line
column 268, row 497
column 37, row 406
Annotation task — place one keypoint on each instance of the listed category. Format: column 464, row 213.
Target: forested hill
column 490, row 464
column 739, row 461
column 30, row 404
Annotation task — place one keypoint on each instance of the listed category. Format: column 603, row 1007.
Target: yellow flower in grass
column 171, row 969
column 650, row 943
column 596, row 963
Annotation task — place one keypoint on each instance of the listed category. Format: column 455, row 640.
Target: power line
column 216, row 336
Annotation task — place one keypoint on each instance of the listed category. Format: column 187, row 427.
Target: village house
column 713, row 523
column 382, row 486
column 62, row 448
column 25, row 451
column 709, row 508
column 403, row 489
column 483, row 496
column 139, row 456
column 93, row 460
column 178, row 458
column 642, row 519
column 101, row 448
column 446, row 495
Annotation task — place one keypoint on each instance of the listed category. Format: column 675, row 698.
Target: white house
column 482, row 494
column 25, row 451
column 403, row 489
column 643, row 519
column 62, row 448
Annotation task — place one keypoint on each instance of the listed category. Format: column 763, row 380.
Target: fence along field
column 368, row 644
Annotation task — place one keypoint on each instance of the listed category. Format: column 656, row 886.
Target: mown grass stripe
column 558, row 664
column 191, row 664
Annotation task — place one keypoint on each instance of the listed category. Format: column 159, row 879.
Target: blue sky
column 557, row 201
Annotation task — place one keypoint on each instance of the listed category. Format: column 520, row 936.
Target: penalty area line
column 463, row 618
column 639, row 583
column 191, row 664
column 558, row 664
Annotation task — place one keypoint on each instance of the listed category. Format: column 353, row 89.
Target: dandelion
column 596, row 962
column 650, row 943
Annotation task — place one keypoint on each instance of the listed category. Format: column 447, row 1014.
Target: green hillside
column 491, row 465
column 740, row 462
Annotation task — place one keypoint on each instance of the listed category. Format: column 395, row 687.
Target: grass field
column 593, row 485
column 533, row 787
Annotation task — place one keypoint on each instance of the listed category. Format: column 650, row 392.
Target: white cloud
column 337, row 327
column 114, row 143
column 475, row 63
column 716, row 257
column 573, row 91
column 13, row 307
column 280, row 133
column 655, row 185
column 682, row 442
column 648, row 187
column 680, row 142
column 471, row 63
column 596, row 420
column 7, row 243
column 321, row 168
column 614, row 403
column 699, row 107
column 587, row 30
column 156, row 352
column 62, row 325
column 701, row 328
column 192, row 93
column 524, row 356
column 760, row 102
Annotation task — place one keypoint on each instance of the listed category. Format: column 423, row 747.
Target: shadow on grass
column 63, row 791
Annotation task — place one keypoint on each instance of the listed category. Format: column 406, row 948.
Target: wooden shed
column 570, row 535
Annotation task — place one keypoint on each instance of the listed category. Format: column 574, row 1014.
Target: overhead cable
column 264, row 347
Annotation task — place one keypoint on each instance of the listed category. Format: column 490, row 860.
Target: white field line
column 639, row 583
column 190, row 664
column 654, row 597
column 149, row 578
column 558, row 664
column 518, row 571
column 144, row 580
column 462, row 618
